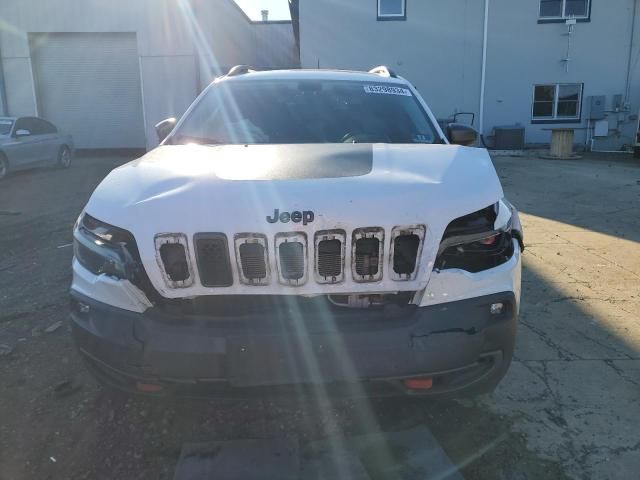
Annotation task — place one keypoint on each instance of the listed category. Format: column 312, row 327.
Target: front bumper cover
column 460, row 344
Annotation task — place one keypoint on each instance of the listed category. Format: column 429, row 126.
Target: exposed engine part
column 357, row 301
column 370, row 300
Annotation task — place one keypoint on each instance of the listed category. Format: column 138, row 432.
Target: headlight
column 104, row 249
column 504, row 215
column 480, row 240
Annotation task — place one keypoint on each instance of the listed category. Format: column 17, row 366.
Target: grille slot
column 173, row 259
column 252, row 258
column 291, row 257
column 367, row 258
column 367, row 254
column 212, row 255
column 405, row 252
column 291, row 260
column 330, row 256
column 406, row 246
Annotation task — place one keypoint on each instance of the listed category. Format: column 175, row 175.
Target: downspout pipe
column 627, row 92
column 483, row 74
column 3, row 90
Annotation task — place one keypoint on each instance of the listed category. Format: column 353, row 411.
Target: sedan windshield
column 306, row 111
column 5, row 126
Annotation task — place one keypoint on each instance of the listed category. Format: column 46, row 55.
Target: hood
column 234, row 188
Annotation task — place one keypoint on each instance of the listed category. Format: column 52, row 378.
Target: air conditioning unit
column 510, row 137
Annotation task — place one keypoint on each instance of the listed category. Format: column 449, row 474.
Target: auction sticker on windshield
column 387, row 90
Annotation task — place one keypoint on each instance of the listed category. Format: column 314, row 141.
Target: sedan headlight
column 104, row 249
column 480, row 240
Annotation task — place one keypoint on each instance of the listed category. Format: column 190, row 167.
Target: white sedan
column 27, row 142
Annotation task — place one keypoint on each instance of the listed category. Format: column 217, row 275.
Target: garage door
column 88, row 84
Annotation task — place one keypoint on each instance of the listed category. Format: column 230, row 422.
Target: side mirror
column 22, row 133
column 163, row 128
column 460, row 134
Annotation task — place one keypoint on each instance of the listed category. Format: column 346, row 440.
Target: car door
column 49, row 140
column 25, row 148
column 41, row 139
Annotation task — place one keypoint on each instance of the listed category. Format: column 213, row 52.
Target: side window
column 559, row 102
column 392, row 9
column 22, row 124
column 561, row 10
column 45, row 127
column 35, row 126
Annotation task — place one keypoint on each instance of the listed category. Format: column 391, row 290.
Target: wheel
column 64, row 157
column 4, row 166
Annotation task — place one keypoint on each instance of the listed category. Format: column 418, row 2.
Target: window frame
column 556, row 99
column 563, row 18
column 394, row 16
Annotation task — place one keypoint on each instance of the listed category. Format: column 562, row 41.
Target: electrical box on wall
column 596, row 108
column 601, row 128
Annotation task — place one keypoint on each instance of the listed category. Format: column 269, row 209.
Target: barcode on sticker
column 386, row 90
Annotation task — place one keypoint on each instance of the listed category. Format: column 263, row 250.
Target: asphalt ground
column 568, row 408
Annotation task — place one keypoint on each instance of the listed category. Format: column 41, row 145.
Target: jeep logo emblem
column 305, row 217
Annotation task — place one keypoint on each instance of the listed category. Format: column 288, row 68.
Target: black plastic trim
column 200, row 261
column 243, row 353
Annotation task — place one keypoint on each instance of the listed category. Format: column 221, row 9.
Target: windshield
column 5, row 126
column 306, row 111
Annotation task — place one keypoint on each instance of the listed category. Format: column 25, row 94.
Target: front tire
column 64, row 157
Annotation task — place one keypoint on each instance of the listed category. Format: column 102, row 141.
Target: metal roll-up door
column 88, row 85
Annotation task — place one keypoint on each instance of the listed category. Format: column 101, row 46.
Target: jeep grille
column 292, row 257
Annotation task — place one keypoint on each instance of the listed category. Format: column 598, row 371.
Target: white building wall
column 439, row 49
column 173, row 37
column 522, row 53
column 227, row 37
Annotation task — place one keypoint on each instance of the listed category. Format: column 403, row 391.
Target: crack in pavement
column 563, row 353
column 603, row 345
column 621, row 373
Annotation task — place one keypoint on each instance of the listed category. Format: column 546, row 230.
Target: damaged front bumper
column 461, row 345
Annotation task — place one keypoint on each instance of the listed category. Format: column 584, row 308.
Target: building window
column 392, row 9
column 557, row 102
column 560, row 10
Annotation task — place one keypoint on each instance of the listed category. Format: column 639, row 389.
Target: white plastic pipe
column 483, row 75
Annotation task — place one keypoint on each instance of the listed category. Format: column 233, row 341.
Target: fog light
column 496, row 308
column 83, row 307
column 424, row 383
column 148, row 387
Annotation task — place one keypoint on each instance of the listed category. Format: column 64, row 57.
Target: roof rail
column 383, row 71
column 239, row 70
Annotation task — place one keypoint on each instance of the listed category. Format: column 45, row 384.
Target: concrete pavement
column 574, row 388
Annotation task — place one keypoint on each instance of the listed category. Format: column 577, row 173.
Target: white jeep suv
column 298, row 228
